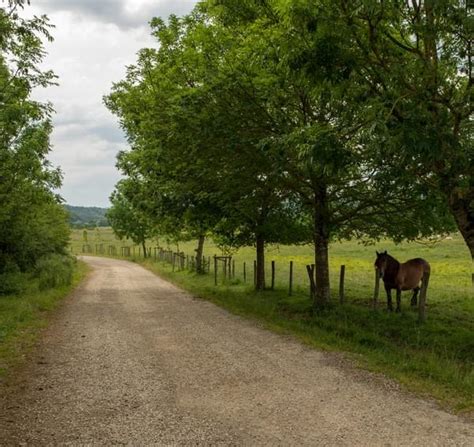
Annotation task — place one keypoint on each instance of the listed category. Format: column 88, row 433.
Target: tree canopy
column 304, row 122
column 32, row 221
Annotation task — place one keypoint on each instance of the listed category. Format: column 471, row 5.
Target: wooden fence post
column 215, row 270
column 290, row 288
column 273, row 275
column 341, row 284
column 376, row 289
column 424, row 288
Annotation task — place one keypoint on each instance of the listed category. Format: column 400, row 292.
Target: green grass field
column 22, row 317
column 435, row 358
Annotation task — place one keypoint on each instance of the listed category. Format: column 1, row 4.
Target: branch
column 402, row 45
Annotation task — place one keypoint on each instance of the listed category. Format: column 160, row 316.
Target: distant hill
column 87, row 216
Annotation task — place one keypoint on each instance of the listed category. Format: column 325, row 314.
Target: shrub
column 54, row 271
column 12, row 283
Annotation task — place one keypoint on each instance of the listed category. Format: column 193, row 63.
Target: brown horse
column 400, row 276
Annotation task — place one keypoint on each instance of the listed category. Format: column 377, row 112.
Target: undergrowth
column 23, row 314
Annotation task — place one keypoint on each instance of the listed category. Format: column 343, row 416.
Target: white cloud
column 94, row 41
column 124, row 13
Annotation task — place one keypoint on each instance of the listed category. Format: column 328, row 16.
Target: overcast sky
column 94, row 41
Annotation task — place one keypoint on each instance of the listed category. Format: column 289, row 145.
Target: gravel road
column 132, row 360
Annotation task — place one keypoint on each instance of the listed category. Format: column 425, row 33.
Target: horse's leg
column 389, row 298
column 399, row 299
column 414, row 298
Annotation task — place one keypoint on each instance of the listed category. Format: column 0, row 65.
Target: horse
column 401, row 276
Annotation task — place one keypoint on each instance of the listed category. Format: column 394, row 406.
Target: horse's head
column 381, row 262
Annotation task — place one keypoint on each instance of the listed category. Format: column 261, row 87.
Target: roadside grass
column 434, row 359
column 23, row 315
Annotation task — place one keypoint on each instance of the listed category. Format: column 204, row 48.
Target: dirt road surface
column 133, row 360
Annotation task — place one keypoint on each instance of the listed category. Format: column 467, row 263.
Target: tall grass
column 54, row 271
column 23, row 314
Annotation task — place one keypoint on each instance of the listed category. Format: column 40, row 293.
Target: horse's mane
column 392, row 267
column 391, row 258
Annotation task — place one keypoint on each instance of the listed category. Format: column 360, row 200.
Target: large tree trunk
column 144, row 249
column 321, row 245
column 462, row 208
column 260, row 283
column 199, row 253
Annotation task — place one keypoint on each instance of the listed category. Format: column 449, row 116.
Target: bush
column 54, row 271
column 12, row 283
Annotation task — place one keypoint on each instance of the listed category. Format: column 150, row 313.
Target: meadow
column 435, row 358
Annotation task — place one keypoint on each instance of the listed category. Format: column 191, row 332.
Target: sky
column 94, row 42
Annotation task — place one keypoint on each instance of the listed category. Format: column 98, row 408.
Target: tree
column 32, row 222
column 179, row 197
column 417, row 59
column 126, row 220
column 202, row 172
column 306, row 76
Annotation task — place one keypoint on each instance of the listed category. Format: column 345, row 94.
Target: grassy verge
column 434, row 359
column 23, row 316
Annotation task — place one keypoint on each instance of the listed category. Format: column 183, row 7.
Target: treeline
column 34, row 229
column 87, row 216
column 299, row 122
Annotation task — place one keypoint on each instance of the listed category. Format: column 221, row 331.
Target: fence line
column 225, row 269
